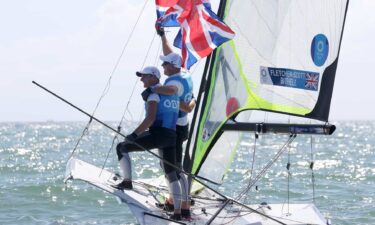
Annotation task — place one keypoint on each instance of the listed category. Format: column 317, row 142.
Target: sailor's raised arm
column 167, row 48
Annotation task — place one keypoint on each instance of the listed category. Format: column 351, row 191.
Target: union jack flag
column 161, row 7
column 312, row 81
column 201, row 29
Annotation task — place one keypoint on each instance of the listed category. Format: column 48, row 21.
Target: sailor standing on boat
column 182, row 85
column 160, row 120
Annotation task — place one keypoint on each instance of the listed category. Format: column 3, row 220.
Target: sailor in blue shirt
column 181, row 84
column 160, row 120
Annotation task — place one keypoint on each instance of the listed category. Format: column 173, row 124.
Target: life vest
column 167, row 112
column 187, row 93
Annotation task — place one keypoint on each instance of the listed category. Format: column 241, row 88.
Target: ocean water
column 33, row 158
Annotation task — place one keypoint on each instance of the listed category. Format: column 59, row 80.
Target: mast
column 204, row 86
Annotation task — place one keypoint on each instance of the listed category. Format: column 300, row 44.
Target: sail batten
column 321, row 129
column 282, row 60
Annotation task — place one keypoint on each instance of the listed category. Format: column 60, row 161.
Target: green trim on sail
column 253, row 102
column 201, row 146
column 200, row 151
column 256, row 102
column 249, row 52
column 226, row 9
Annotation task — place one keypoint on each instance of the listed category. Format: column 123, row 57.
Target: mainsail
column 283, row 60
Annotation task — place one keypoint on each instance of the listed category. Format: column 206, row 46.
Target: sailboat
column 283, row 60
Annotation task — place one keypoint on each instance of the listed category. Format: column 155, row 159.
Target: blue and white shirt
column 167, row 112
column 184, row 85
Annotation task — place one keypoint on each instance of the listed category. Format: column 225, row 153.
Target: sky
column 72, row 48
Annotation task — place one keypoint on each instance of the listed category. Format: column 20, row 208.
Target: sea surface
column 33, row 158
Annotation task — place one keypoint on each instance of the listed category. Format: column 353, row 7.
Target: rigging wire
column 84, row 132
column 256, row 136
column 127, row 105
column 114, row 140
column 158, row 53
column 312, row 167
column 108, row 84
column 136, row 82
column 267, row 166
column 289, row 176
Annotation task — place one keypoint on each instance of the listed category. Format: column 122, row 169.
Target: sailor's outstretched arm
column 165, row 89
column 167, row 48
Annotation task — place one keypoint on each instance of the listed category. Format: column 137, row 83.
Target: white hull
column 141, row 201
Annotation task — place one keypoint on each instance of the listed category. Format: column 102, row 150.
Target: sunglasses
column 166, row 63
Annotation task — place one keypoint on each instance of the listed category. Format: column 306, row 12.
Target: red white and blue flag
column 161, row 7
column 312, row 81
column 201, row 29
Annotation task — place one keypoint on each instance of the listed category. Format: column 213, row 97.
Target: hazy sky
column 72, row 47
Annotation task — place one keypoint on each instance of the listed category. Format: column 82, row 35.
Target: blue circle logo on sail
column 319, row 49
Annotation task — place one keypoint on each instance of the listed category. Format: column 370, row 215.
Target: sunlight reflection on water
column 33, row 158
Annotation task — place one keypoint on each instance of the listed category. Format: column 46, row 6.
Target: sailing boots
column 125, row 184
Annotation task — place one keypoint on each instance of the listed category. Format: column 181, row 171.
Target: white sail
column 283, row 59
